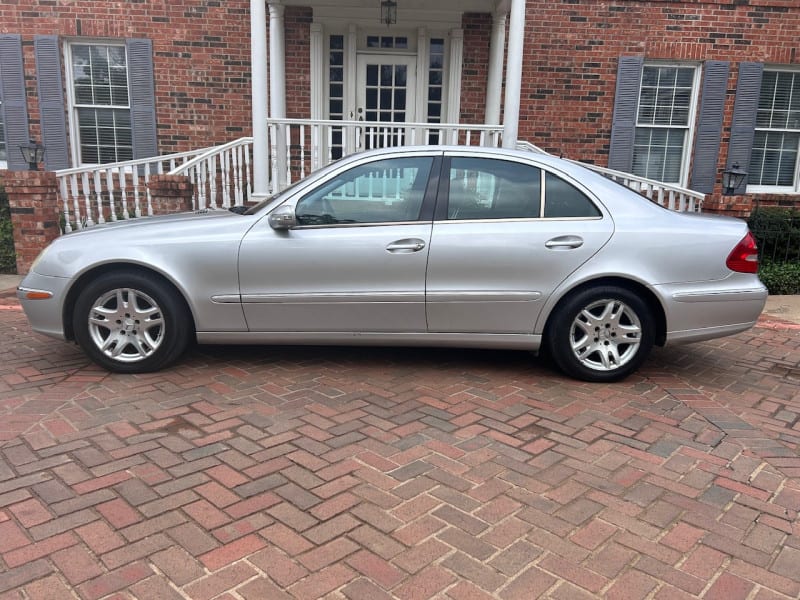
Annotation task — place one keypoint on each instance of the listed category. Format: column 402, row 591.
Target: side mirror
column 282, row 218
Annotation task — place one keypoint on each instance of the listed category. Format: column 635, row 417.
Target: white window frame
column 72, row 106
column 778, row 189
column 688, row 142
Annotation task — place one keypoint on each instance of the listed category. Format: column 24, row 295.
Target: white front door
column 386, row 94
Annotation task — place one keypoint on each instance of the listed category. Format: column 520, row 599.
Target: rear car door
column 506, row 233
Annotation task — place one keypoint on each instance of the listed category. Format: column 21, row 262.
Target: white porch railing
column 300, row 146
column 114, row 191
column 668, row 195
column 223, row 175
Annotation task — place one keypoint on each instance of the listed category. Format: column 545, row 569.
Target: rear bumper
column 695, row 315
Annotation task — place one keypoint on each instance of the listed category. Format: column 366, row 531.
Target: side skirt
column 452, row 340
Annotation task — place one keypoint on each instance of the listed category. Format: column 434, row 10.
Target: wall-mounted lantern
column 33, row 154
column 732, row 178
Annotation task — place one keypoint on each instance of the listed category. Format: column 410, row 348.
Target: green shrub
column 777, row 231
column 8, row 258
column 780, row 277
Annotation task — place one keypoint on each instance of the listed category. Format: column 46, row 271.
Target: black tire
column 128, row 322
column 601, row 334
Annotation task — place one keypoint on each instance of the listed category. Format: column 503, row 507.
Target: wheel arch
column 80, row 283
column 641, row 290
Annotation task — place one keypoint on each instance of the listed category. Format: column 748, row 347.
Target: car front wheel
column 130, row 323
column 601, row 334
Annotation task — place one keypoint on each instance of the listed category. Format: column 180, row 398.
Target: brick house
column 671, row 90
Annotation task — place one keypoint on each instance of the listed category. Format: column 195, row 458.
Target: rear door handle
column 406, row 246
column 564, row 242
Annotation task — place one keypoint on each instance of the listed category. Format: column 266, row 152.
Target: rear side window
column 563, row 200
column 482, row 188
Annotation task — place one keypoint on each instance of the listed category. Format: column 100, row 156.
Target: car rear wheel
column 601, row 334
column 130, row 323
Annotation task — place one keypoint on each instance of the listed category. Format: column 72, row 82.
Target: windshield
column 257, row 207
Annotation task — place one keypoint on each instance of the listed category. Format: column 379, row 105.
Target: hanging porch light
column 388, row 12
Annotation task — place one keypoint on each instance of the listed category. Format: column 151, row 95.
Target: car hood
column 173, row 219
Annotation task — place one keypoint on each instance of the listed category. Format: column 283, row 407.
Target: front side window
column 383, row 191
column 663, row 122
column 776, row 143
column 100, row 110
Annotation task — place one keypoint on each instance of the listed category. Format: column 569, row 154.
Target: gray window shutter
column 142, row 97
column 50, row 87
column 709, row 129
column 626, row 101
column 748, row 89
column 14, row 107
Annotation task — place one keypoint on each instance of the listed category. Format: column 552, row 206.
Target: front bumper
column 45, row 315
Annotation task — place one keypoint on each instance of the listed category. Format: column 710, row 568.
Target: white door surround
column 356, row 18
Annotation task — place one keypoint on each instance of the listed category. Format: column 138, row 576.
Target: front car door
column 355, row 262
column 505, row 234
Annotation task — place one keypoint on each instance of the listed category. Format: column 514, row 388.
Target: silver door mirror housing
column 282, row 218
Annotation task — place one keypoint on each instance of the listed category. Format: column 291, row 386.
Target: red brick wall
column 298, row 62
column 572, row 48
column 477, row 34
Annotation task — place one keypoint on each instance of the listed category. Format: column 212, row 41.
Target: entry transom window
column 663, row 122
column 776, row 143
column 101, row 115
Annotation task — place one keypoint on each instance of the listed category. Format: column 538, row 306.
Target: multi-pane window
column 100, row 103
column 336, row 91
column 435, row 85
column 663, row 122
column 3, row 154
column 776, row 143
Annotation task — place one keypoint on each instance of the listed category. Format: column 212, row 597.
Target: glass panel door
column 386, row 95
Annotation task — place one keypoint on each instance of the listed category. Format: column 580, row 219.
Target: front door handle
column 406, row 246
column 564, row 242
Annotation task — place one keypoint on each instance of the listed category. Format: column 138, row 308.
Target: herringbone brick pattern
column 253, row 473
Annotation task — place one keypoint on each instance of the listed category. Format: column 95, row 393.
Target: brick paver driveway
column 371, row 473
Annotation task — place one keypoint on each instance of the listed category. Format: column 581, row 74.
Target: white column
column 454, row 79
column 317, row 93
column 494, row 83
column 277, row 81
column 350, row 83
column 516, row 45
column 258, row 61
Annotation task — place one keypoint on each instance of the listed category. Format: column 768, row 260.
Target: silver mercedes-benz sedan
column 434, row 246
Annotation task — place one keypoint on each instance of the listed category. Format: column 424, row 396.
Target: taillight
column 744, row 258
